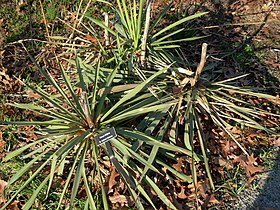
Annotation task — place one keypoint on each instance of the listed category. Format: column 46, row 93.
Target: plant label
column 106, row 136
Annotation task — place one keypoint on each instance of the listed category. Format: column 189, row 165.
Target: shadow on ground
column 266, row 196
column 245, row 38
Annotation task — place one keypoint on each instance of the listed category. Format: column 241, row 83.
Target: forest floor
column 250, row 32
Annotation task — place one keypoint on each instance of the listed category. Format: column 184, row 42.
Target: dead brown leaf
column 3, row 184
column 178, row 165
column 226, row 147
column 90, row 38
column 123, row 200
column 18, row 10
column 112, row 180
column 242, row 160
column 249, row 164
column 210, row 200
column 13, row 206
column 213, row 199
column 252, row 166
column 182, row 194
column 224, row 163
column 32, row 95
column 276, row 142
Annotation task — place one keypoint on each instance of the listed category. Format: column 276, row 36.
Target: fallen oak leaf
column 123, row 200
column 112, row 180
column 242, row 160
column 249, row 164
column 182, row 194
column 252, row 167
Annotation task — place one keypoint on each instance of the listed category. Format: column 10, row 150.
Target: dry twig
column 146, row 30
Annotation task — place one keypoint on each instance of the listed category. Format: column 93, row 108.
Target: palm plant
column 72, row 120
column 72, row 123
column 200, row 95
column 137, row 107
column 126, row 37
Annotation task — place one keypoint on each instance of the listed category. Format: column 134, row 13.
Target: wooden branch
column 146, row 30
column 202, row 59
column 106, row 34
column 200, row 65
column 45, row 21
